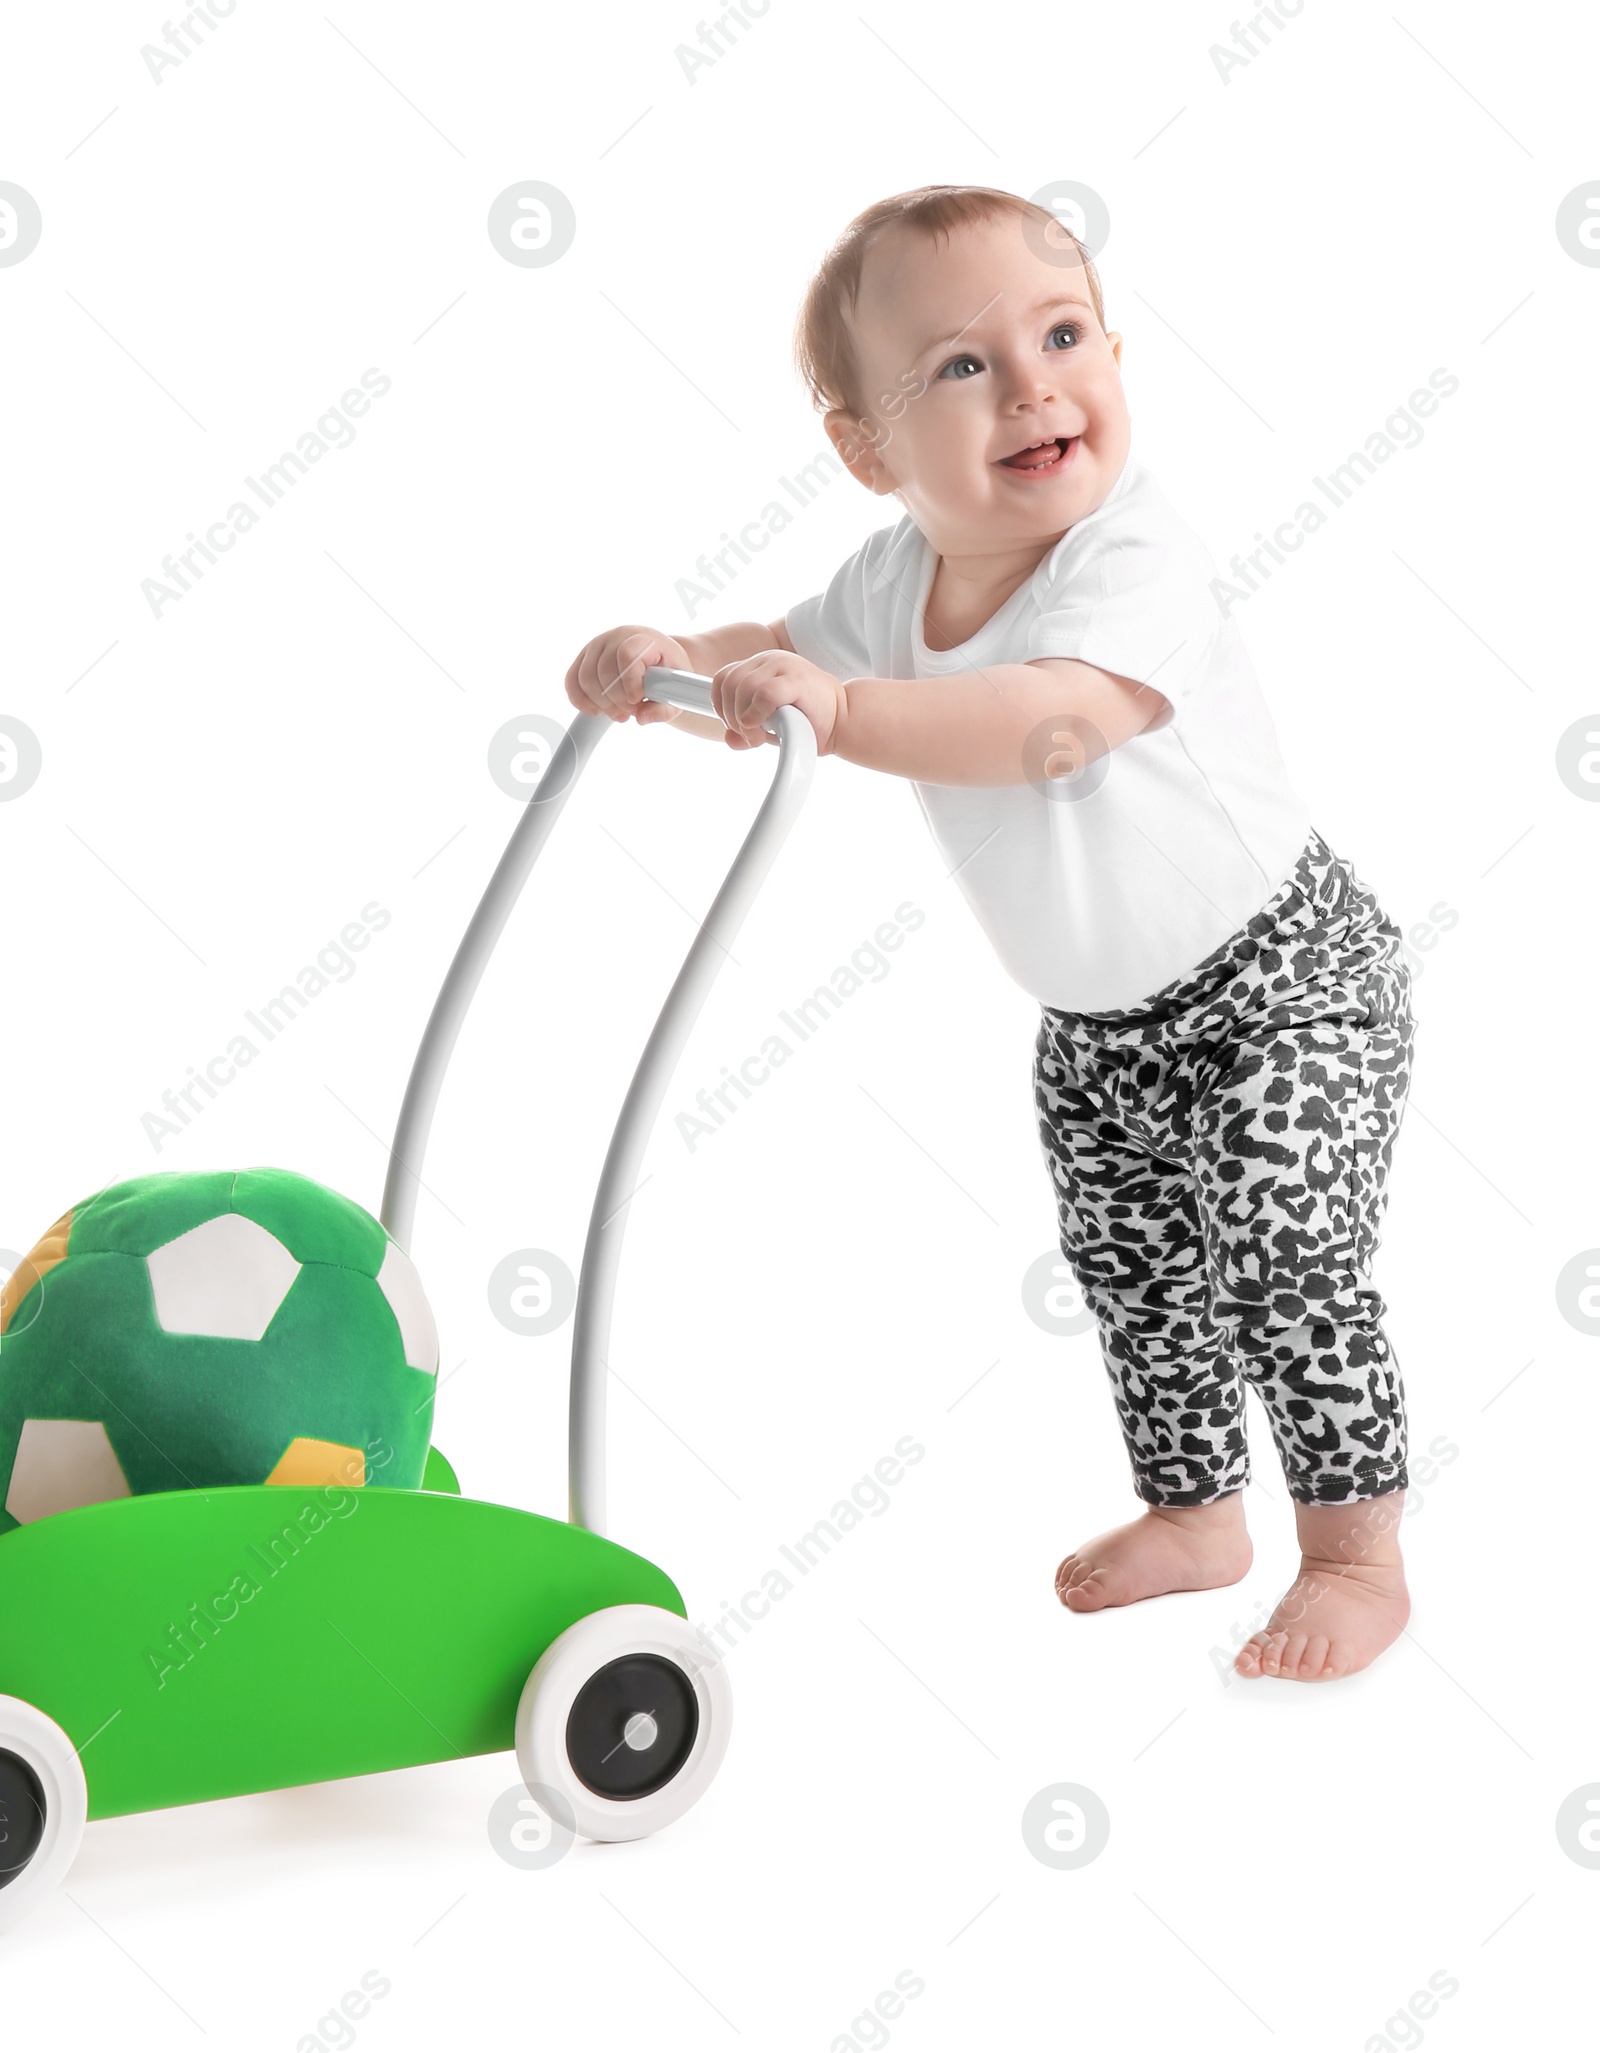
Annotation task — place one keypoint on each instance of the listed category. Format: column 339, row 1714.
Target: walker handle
column 679, row 688
column 619, row 1178
column 683, row 688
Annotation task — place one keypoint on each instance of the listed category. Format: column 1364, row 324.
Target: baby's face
column 970, row 350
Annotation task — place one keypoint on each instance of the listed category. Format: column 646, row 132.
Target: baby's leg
column 1130, row 1228
column 1293, row 1139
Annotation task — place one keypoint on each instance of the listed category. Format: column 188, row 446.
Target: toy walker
column 406, row 1625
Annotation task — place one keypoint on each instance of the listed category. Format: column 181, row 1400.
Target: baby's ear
column 856, row 440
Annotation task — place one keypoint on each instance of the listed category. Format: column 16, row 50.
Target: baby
column 1225, row 1036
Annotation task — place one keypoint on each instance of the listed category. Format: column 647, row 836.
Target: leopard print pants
column 1219, row 1157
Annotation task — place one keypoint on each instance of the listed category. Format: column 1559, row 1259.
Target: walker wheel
column 44, row 1802
column 626, row 1717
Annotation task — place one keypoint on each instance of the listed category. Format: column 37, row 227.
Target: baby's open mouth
column 1043, row 459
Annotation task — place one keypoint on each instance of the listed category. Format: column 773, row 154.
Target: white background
column 224, row 787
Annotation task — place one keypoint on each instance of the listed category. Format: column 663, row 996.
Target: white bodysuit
column 1093, row 901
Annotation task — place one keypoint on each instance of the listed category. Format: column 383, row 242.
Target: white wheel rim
column 567, row 1664
column 41, row 1744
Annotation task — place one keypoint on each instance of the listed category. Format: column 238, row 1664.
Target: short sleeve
column 1135, row 603
column 830, row 630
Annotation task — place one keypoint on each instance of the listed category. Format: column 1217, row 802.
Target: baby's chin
column 1037, row 509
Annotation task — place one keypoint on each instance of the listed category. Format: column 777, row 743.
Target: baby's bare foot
column 1171, row 1547
column 1333, row 1620
column 1349, row 1600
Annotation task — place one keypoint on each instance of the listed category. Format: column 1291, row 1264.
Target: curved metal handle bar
column 591, row 1327
column 399, row 1208
column 602, row 1253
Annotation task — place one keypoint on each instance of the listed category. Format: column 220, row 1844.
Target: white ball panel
column 224, row 1278
column 61, row 1464
column 402, row 1286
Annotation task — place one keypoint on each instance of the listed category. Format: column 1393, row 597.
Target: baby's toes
column 1273, row 1646
column 1088, row 1593
column 1248, row 1659
column 1314, row 1661
column 1070, row 1570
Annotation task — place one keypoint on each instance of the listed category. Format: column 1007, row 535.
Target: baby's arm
column 984, row 727
column 974, row 727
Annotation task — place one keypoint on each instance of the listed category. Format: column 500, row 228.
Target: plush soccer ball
column 181, row 1331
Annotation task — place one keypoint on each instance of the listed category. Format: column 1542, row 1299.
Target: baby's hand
column 607, row 675
column 746, row 694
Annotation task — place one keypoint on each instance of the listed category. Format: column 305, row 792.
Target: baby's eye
column 953, row 370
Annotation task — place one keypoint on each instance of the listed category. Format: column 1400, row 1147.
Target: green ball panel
column 136, row 1217
column 362, row 1393
column 314, row 1223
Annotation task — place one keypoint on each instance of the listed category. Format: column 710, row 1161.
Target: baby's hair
column 824, row 348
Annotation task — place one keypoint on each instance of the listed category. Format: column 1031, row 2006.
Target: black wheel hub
column 21, row 1816
column 634, row 1685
